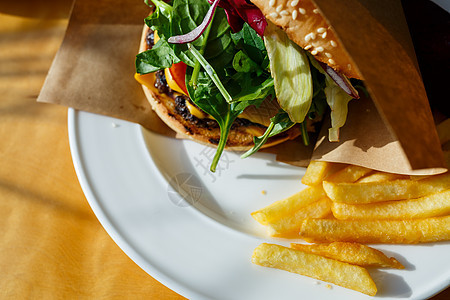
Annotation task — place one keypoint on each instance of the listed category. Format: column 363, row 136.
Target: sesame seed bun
column 304, row 24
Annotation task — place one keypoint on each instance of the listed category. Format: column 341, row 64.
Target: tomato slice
column 178, row 72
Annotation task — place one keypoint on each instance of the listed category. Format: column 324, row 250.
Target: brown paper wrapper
column 94, row 71
column 94, row 68
column 376, row 37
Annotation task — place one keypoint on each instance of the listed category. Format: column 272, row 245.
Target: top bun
column 304, row 24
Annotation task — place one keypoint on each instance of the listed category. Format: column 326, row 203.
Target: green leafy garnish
column 211, row 72
column 161, row 18
column 278, row 124
column 161, row 56
column 208, row 99
column 243, row 63
column 227, row 72
column 251, row 43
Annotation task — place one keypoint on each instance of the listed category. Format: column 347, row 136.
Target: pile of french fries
column 345, row 207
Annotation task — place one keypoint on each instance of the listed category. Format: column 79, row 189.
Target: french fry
column 317, row 171
column 381, row 176
column 291, row 223
column 346, row 275
column 352, row 253
column 376, row 231
column 288, row 205
column 433, row 205
column 370, row 192
column 350, row 173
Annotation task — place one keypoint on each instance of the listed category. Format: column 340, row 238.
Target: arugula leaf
column 304, row 135
column 189, row 14
column 211, row 72
column 248, row 40
column 161, row 56
column 208, row 99
column 161, row 18
column 278, row 124
column 253, row 88
column 243, row 63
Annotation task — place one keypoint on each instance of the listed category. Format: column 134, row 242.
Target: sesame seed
column 272, row 3
column 310, row 36
column 321, row 30
column 314, row 52
column 324, row 35
column 316, row 11
column 279, row 8
column 294, row 3
column 331, row 61
column 349, row 66
column 320, row 49
column 294, row 14
column 308, row 47
column 302, row 11
column 284, row 13
column 333, row 43
column 273, row 15
column 328, row 55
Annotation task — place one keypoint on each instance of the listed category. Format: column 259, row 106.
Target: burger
column 244, row 75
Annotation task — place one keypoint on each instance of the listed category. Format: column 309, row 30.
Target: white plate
column 201, row 248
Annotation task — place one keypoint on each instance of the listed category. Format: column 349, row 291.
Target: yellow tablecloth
column 51, row 244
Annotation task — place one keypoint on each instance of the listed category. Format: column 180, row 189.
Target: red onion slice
column 340, row 80
column 198, row 31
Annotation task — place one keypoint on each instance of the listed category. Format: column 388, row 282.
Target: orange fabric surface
column 51, row 244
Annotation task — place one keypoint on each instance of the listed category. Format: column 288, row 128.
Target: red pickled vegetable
column 198, row 31
column 240, row 11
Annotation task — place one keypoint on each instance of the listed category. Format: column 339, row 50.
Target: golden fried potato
column 352, row 253
column 370, row 192
column 288, row 206
column 381, row 176
column 346, row 275
column 291, row 223
column 433, row 205
column 376, row 231
column 317, row 171
column 350, row 173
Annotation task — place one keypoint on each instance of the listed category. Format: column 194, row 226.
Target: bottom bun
column 172, row 110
